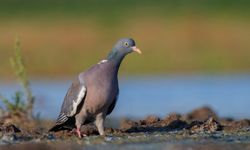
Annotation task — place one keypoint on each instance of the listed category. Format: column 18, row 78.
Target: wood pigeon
column 93, row 94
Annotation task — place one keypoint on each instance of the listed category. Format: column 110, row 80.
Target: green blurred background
column 64, row 37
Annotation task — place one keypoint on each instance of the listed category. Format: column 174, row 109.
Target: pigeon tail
column 56, row 128
column 60, row 127
column 68, row 125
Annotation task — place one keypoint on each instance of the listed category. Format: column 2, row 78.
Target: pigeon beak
column 135, row 49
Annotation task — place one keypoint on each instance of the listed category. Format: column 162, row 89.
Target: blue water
column 228, row 95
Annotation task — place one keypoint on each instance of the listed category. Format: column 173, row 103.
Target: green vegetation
column 62, row 38
column 18, row 104
column 111, row 8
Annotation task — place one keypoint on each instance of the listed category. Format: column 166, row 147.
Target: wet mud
column 199, row 129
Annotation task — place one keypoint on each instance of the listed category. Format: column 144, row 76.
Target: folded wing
column 73, row 99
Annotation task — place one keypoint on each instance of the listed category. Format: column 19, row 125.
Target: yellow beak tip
column 135, row 49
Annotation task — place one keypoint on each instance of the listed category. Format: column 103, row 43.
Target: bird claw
column 79, row 134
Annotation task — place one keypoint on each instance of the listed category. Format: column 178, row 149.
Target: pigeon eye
column 126, row 44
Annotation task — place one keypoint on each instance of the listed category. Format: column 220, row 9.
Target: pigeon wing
column 74, row 97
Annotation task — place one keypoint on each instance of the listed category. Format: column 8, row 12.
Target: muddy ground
column 199, row 129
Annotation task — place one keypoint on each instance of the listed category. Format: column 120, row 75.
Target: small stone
column 9, row 138
column 50, row 137
column 109, row 138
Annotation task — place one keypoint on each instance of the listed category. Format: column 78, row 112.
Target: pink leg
column 79, row 132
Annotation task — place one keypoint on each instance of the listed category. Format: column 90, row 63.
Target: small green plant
column 23, row 100
column 17, row 105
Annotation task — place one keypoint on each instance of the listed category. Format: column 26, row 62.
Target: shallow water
column 176, row 140
column 139, row 96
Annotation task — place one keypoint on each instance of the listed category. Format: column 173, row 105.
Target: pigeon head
column 122, row 48
column 125, row 46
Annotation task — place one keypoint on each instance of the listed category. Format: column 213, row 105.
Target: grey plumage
column 68, row 108
column 93, row 94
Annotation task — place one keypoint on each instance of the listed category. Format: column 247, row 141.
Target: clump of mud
column 210, row 125
column 199, row 120
column 18, row 128
column 201, row 114
column 7, row 128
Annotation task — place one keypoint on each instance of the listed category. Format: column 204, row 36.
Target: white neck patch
column 103, row 61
